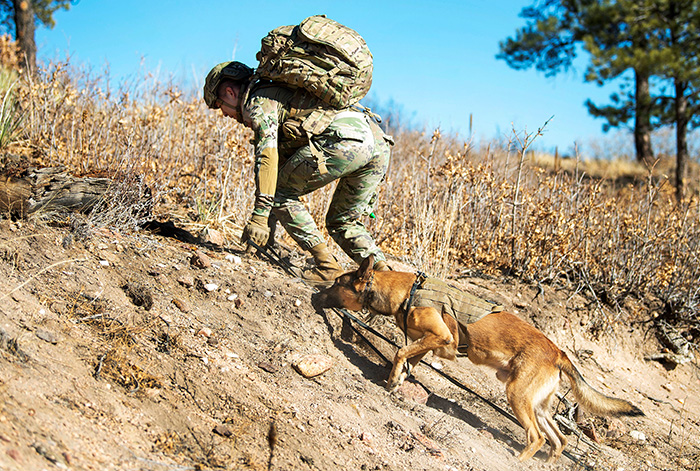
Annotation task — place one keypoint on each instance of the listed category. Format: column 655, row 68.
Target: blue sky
column 436, row 59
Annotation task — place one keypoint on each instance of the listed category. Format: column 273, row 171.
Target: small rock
column 637, row 435
column 186, row 280
column 200, row 260
column 211, row 287
column 205, row 332
column 238, row 303
column 616, row 429
column 213, row 236
column 47, row 336
column 668, row 387
column 104, row 263
column 312, row 365
column 413, row 392
column 45, row 452
column 181, row 305
column 235, row 259
column 161, row 279
column 297, row 302
column 59, row 307
column 232, row 297
column 223, row 431
column 212, row 341
column 268, row 293
column 14, row 454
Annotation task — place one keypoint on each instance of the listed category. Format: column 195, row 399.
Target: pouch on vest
column 314, row 124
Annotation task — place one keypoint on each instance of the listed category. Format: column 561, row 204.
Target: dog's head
column 349, row 290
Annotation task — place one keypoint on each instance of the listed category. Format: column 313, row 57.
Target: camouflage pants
column 355, row 156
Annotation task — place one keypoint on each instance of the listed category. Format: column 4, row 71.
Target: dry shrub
column 446, row 205
column 116, row 367
column 9, row 53
column 144, row 133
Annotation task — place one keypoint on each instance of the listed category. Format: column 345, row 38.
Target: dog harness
column 465, row 308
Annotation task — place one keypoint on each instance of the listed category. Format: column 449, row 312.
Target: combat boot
column 327, row 267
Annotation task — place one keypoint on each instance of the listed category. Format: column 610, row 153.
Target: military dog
column 529, row 364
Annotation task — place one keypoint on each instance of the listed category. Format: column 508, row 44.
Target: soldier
column 291, row 162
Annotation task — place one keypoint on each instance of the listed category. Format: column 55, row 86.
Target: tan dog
column 527, row 362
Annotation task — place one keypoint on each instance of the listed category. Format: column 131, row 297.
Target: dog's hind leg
column 520, row 394
column 557, row 440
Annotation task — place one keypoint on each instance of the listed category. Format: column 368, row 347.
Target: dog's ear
column 364, row 272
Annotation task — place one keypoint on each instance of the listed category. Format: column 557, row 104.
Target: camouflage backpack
column 325, row 58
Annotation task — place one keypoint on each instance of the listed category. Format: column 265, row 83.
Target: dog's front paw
column 393, row 385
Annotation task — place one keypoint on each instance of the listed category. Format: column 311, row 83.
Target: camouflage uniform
column 355, row 151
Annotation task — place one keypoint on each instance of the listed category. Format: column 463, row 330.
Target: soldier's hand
column 257, row 230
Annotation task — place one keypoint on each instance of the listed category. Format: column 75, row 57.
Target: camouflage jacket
column 283, row 121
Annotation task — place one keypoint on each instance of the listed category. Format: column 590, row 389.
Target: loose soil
column 141, row 352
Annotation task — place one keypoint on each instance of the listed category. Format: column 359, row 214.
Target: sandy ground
column 131, row 351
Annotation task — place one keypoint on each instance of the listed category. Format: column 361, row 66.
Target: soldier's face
column 229, row 103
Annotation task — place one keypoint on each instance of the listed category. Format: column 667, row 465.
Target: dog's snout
column 321, row 299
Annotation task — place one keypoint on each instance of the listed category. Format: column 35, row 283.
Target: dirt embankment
column 130, row 351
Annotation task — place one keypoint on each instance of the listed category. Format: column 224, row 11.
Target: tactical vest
column 464, row 307
column 303, row 116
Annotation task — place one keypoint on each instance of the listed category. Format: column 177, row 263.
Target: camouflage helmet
column 231, row 70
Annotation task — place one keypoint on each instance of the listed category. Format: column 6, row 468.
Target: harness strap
column 420, row 278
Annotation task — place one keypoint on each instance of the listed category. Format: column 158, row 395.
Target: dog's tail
column 591, row 399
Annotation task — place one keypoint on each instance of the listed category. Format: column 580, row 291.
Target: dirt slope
column 116, row 352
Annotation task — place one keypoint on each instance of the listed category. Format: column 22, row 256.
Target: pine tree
column 19, row 17
column 557, row 29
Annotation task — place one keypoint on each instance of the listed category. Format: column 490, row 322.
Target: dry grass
column 609, row 229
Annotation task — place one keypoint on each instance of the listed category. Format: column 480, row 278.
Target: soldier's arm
column 263, row 114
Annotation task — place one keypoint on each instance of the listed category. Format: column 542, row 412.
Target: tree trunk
column 642, row 122
column 24, row 24
column 53, row 189
column 682, row 120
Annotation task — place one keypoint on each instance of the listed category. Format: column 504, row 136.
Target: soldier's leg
column 292, row 183
column 353, row 200
column 300, row 175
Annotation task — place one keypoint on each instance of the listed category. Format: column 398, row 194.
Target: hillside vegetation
column 609, row 230
column 123, row 349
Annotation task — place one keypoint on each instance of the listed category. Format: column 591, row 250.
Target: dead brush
column 446, row 205
column 116, row 367
column 94, row 312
